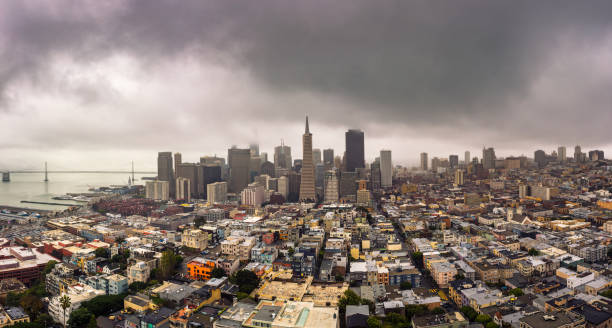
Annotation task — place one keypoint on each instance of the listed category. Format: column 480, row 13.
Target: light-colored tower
column 386, row 169
column 459, row 177
column 307, row 183
column 331, row 187
column 424, row 161
column 561, row 154
column 577, row 153
column 316, row 156
column 216, row 192
column 467, row 157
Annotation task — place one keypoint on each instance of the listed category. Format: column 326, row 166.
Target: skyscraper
column 596, row 155
column 488, row 158
column 165, row 171
column 282, row 156
column 453, row 160
column 375, row 175
column 467, row 158
column 539, row 156
column 386, row 169
column 354, row 157
column 331, row 187
column 178, row 159
column 459, row 177
column 254, row 148
column 561, row 154
column 238, row 160
column 328, row 157
column 424, row 161
column 216, row 192
column 316, row 156
column 307, row 182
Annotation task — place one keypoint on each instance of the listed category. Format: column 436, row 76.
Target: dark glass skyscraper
column 354, row 157
column 239, row 161
column 164, row 169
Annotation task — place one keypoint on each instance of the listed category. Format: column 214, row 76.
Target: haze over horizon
column 90, row 85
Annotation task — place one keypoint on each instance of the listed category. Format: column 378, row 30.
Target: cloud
column 198, row 76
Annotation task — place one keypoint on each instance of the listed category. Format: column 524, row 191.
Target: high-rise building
column 207, row 174
column 355, row 155
column 577, row 154
column 316, row 156
column 252, row 195
column 348, row 185
column 254, row 148
column 157, row 190
column 283, row 186
column 459, row 177
column 267, row 168
column 189, row 171
column 239, row 162
column 178, row 159
column 435, row 163
column 307, row 183
column 561, row 154
column 539, row 156
column 331, row 187
column 596, row 155
column 282, row 156
column 386, row 169
column 164, row 169
column 183, row 189
column 328, row 157
column 424, row 161
column 488, row 158
column 467, row 158
column 319, row 175
column 217, row 192
column 453, row 160
column 375, row 175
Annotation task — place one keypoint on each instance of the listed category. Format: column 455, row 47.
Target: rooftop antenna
column 46, row 175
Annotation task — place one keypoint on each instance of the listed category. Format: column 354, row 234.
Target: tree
column 438, row 310
column 104, row 304
column 65, row 303
column 137, row 286
column 291, row 251
column 373, row 322
column 339, row 277
column 167, row 265
column 483, row 318
column 80, row 318
column 405, row 285
column 606, row 293
column 516, row 292
column 459, row 276
column 241, row 295
column 246, row 280
column 12, row 299
column 48, row 267
column 417, row 258
column 31, row 304
column 533, row 252
column 102, row 252
column 469, row 312
column 218, row 273
column 491, row 324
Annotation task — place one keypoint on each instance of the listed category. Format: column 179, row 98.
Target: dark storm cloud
column 520, row 70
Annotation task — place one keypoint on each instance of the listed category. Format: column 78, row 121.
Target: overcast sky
column 96, row 84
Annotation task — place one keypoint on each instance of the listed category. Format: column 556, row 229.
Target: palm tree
column 65, row 303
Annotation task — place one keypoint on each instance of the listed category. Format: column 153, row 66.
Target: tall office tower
column 467, row 158
column 348, row 185
column 488, row 158
column 331, row 187
column 178, row 159
column 267, row 168
column 189, row 171
column 386, row 169
column 376, row 175
column 577, row 153
column 435, row 163
column 252, row 195
column 319, row 175
column 316, row 156
column 157, row 190
column 294, row 186
column 207, row 174
column 328, row 157
column 424, row 161
column 307, row 183
column 282, row 156
column 561, row 154
column 539, row 156
column 183, row 189
column 216, row 192
column 453, row 160
column 164, row 169
column 283, row 186
column 596, row 155
column 264, row 156
column 338, row 163
column 254, row 166
column 239, row 161
column 354, row 156
column 254, row 148
column 459, row 177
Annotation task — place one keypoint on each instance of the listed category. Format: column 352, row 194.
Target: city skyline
column 88, row 88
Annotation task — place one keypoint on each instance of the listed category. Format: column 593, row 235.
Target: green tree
column 438, row 310
column 491, row 324
column 167, row 265
column 405, row 285
column 483, row 318
column 241, row 295
column 12, row 299
column 516, row 292
column 65, row 303
column 32, row 305
column 104, row 304
column 48, row 267
column 102, row 252
column 417, row 258
column 137, row 286
column 246, row 280
column 80, row 318
column 469, row 312
column 533, row 252
column 218, row 273
column 373, row 322
column 92, row 322
column 459, row 276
